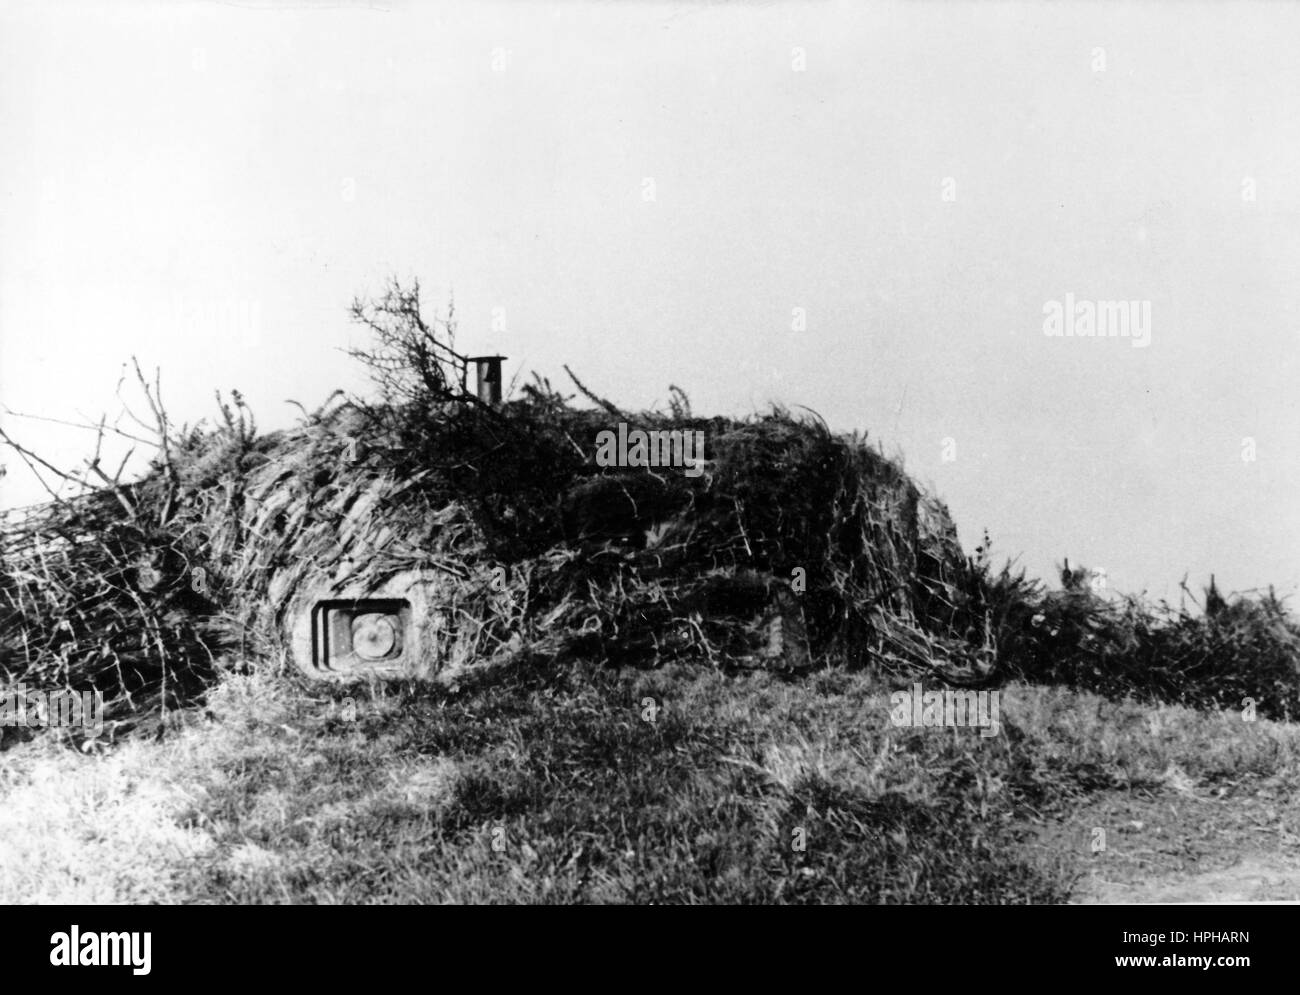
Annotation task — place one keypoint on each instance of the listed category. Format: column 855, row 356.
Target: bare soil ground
column 1185, row 843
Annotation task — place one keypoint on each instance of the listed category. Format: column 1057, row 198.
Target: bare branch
column 72, row 424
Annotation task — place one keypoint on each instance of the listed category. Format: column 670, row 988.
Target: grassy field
column 680, row 784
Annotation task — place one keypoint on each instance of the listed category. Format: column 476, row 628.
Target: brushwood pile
column 146, row 591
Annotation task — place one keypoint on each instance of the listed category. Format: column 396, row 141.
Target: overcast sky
column 864, row 209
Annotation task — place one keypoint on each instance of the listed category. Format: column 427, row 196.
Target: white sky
column 168, row 172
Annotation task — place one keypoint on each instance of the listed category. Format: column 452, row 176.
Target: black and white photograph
column 650, row 453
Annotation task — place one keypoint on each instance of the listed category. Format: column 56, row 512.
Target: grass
column 582, row 783
column 81, row 830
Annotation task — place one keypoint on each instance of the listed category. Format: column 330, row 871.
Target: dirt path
column 1185, row 843
column 1260, row 878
